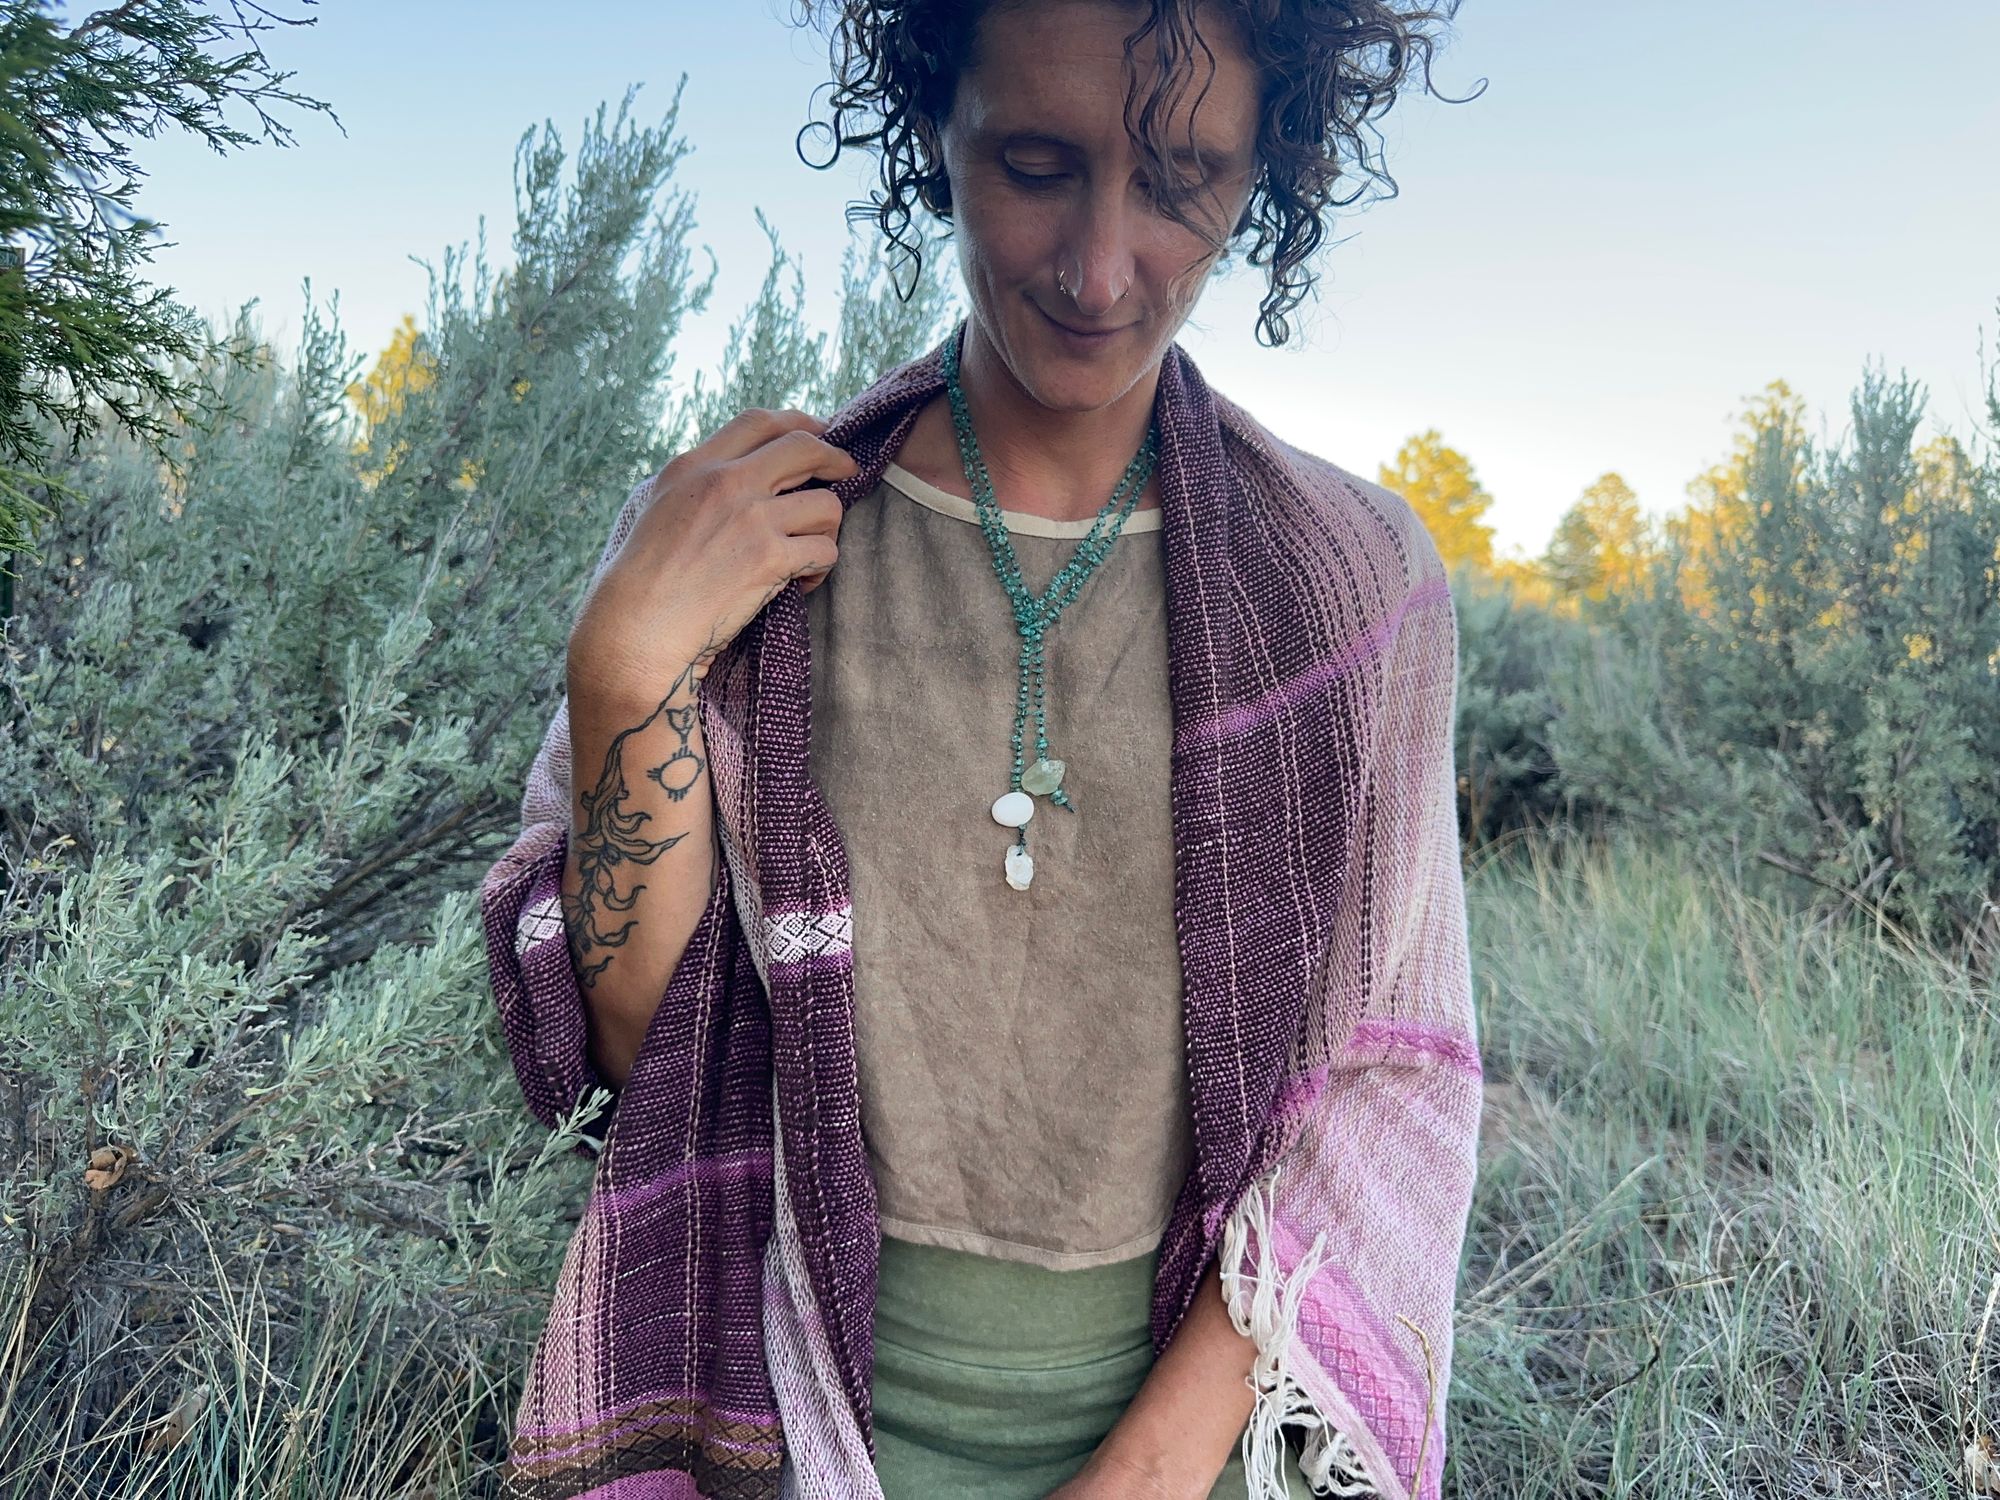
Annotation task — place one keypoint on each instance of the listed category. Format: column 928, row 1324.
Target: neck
column 1062, row 465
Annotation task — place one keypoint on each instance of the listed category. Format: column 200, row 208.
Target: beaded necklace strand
column 1035, row 616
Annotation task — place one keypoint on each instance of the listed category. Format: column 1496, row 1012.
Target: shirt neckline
column 1020, row 522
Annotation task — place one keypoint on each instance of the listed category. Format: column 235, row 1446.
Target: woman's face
column 1045, row 183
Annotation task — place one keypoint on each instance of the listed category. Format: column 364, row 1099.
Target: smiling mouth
column 1088, row 333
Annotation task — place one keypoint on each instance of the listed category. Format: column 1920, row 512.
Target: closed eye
column 1034, row 179
column 1042, row 181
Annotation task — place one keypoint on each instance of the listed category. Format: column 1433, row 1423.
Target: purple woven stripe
column 1261, row 822
column 1414, row 1036
column 738, row 1166
column 843, row 959
column 1315, row 679
column 801, row 869
column 541, row 1008
column 597, row 1442
column 776, row 909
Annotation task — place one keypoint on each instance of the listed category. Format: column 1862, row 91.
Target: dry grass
column 1739, row 1199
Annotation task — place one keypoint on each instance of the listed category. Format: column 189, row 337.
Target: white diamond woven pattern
column 538, row 923
column 797, row 935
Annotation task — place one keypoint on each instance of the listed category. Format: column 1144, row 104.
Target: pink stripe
column 1362, row 1346
column 736, row 1167
column 654, row 1484
column 1275, row 700
column 721, row 1414
column 1447, row 1047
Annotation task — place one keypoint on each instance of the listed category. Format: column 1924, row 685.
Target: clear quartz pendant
column 1044, row 776
column 1020, row 868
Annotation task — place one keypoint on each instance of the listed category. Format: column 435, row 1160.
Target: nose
column 1097, row 267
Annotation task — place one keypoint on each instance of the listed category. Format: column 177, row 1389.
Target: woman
column 1031, row 970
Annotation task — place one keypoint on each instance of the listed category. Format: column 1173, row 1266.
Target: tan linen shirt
column 1020, row 1053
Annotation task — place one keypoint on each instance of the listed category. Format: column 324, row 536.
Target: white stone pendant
column 1013, row 809
column 1020, row 868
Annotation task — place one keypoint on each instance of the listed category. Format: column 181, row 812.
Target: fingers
column 754, row 427
column 804, row 512
column 811, row 520
column 811, row 556
column 792, row 458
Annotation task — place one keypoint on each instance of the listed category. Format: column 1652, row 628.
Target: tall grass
column 1739, row 1202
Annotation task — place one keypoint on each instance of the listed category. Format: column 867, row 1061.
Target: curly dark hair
column 1329, row 69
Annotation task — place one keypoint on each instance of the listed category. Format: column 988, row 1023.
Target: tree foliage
column 1718, row 509
column 1813, row 680
column 1851, row 626
column 82, row 337
column 1439, row 482
column 1603, row 545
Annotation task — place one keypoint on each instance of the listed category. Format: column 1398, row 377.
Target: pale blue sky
column 1652, row 211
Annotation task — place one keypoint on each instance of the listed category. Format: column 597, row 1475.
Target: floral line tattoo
column 614, row 832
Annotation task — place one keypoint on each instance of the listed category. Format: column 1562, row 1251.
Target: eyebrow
column 1209, row 158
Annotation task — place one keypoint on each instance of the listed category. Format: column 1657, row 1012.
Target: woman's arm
column 1178, row 1432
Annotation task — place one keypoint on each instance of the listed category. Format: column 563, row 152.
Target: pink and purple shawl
column 710, row 1331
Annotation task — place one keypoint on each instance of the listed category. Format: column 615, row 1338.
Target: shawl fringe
column 1264, row 1306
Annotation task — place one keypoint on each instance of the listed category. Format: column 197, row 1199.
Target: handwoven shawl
column 710, row 1330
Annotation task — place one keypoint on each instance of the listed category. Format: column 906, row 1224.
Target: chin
column 1061, row 387
column 1085, row 379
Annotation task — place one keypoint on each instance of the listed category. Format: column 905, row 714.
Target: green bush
column 267, row 719
column 1814, row 691
column 1853, row 635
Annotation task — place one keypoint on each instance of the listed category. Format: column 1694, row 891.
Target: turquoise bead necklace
column 1035, row 616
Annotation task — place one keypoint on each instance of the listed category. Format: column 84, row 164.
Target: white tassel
column 1332, row 1467
column 1329, row 1463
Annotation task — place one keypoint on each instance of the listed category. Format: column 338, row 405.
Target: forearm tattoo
column 615, row 832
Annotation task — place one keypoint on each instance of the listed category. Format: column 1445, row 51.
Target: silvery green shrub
column 267, row 716
column 1812, row 702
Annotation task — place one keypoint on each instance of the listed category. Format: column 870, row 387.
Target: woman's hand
column 714, row 545
column 1175, row 1437
column 1112, row 1476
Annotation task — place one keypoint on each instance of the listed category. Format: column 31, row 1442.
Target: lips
column 1085, row 332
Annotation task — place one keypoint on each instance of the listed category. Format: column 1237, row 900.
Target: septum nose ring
column 1062, row 287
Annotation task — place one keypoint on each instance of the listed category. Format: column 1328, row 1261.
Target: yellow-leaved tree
column 1716, row 506
column 401, row 371
column 1603, row 545
column 404, row 369
column 405, row 366
column 1439, row 483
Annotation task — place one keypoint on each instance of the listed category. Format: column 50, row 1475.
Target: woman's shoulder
column 1359, row 513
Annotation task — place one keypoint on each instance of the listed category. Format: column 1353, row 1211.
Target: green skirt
column 995, row 1379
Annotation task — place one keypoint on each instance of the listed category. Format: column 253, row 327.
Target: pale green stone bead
column 1043, row 777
